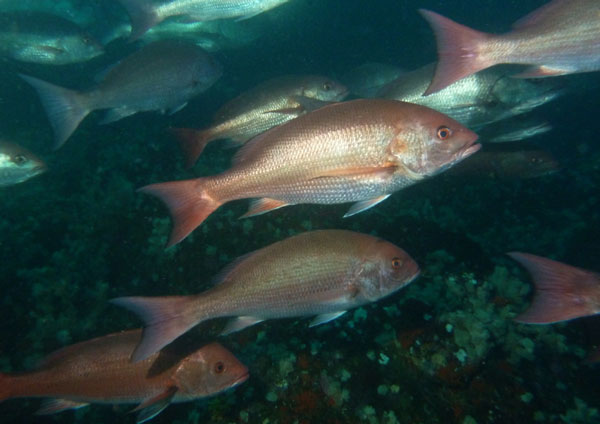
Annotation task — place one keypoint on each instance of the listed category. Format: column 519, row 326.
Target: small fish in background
column 358, row 151
column 476, row 100
column 562, row 37
column 100, row 371
column 366, row 80
column 518, row 131
column 323, row 273
column 261, row 108
column 145, row 14
column 37, row 37
column 17, row 164
column 562, row 292
column 520, row 163
column 160, row 76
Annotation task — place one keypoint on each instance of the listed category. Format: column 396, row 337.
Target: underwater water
column 445, row 349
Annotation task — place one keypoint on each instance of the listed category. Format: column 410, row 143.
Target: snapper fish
column 17, row 164
column 358, row 151
column 160, row 76
column 321, row 273
column 562, row 37
column 100, row 371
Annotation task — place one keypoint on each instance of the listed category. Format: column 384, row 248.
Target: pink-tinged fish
column 160, row 76
column 562, row 292
column 261, row 108
column 100, row 371
column 321, row 273
column 562, row 37
column 358, row 151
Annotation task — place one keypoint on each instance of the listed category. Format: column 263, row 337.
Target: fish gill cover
column 444, row 349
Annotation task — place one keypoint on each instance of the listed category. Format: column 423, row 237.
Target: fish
column 322, row 273
column 562, row 292
column 17, row 164
column 261, row 108
column 561, row 37
column 145, row 14
column 357, row 151
column 37, row 37
column 100, row 371
column 526, row 129
column 521, row 163
column 476, row 100
column 160, row 76
column 366, row 80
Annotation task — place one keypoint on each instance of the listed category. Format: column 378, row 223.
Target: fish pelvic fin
column 188, row 203
column 239, row 323
column 165, row 318
column 192, row 143
column 150, row 408
column 561, row 290
column 458, row 51
column 65, row 108
column 264, row 205
column 142, row 16
column 53, row 406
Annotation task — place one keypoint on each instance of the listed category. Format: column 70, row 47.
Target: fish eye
column 443, row 133
column 219, row 367
column 326, row 86
column 397, row 263
column 20, row 159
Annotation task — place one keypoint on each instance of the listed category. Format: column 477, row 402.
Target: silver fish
column 17, row 164
column 161, row 76
column 368, row 79
column 321, row 273
column 38, row 37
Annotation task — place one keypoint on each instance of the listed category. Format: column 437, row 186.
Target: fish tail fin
column 560, row 293
column 188, row 202
column 192, row 143
column 65, row 108
column 165, row 318
column 142, row 15
column 458, row 51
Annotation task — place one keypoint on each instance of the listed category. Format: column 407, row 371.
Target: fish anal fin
column 240, row 323
column 323, row 318
column 541, row 72
column 562, row 292
column 264, row 205
column 359, row 207
column 150, row 408
column 52, row 406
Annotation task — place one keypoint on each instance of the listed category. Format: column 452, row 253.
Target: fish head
column 202, row 74
column 527, row 164
column 18, row 164
column 519, row 95
column 323, row 88
column 428, row 142
column 209, row 370
column 388, row 269
column 76, row 48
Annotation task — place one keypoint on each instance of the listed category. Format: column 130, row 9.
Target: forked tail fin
column 188, row 203
column 458, row 51
column 192, row 143
column 142, row 16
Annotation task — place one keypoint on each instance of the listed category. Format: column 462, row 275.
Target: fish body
column 321, row 273
column 562, row 37
column 366, row 80
column 562, row 292
column 357, row 151
column 100, row 371
column 261, row 108
column 38, row 37
column 517, row 131
column 160, row 76
column 144, row 14
column 17, row 164
column 475, row 100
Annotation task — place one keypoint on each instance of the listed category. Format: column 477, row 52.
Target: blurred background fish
column 367, row 80
column 17, row 164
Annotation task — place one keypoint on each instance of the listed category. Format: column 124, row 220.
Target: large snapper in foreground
column 359, row 151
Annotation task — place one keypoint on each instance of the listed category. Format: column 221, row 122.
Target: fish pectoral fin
column 151, row 407
column 379, row 171
column 177, row 108
column 305, row 104
column 541, row 71
column 51, row 49
column 322, row 319
column 52, row 406
column 359, row 207
column 240, row 323
column 264, row 205
column 296, row 110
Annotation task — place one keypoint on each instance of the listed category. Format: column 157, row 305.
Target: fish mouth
column 468, row 151
column 241, row 379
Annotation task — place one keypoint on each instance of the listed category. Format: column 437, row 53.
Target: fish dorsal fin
column 52, row 406
column 250, row 146
column 239, row 323
column 322, row 319
column 221, row 276
column 539, row 14
column 150, row 408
